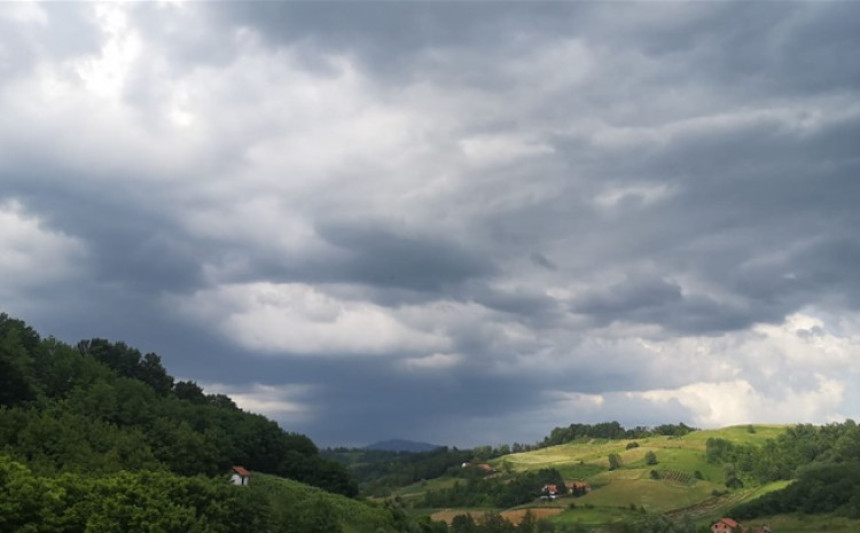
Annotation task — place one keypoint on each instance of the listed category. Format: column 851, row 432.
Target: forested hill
column 102, row 407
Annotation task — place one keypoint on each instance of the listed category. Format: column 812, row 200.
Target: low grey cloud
column 445, row 221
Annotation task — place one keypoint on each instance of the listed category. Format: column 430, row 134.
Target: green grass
column 354, row 516
column 799, row 523
column 656, row 496
column 621, row 494
column 417, row 490
column 594, row 516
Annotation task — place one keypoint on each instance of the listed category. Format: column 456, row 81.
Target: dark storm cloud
column 382, row 256
column 527, row 305
column 541, row 260
column 385, row 35
column 650, row 301
column 594, row 178
column 127, row 242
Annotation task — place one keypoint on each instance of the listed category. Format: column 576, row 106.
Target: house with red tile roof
column 578, row 488
column 727, row 525
column 240, row 476
column 549, row 491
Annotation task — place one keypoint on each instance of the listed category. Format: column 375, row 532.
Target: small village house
column 727, row 525
column 549, row 492
column 578, row 488
column 240, row 476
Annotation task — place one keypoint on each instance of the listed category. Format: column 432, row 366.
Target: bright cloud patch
column 284, row 402
column 577, row 212
column 737, row 402
column 30, row 254
column 437, row 361
column 300, row 319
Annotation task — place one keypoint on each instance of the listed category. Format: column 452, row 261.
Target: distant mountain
column 401, row 445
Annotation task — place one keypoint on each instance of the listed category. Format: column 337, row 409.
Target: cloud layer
column 461, row 223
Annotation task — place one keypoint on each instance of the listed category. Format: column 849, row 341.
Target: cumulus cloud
column 548, row 211
column 285, row 402
column 722, row 404
column 34, row 255
column 299, row 319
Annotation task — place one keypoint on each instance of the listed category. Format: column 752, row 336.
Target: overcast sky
column 463, row 223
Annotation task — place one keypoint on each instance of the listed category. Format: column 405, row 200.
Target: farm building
column 727, row 525
column 578, row 488
column 240, row 476
column 549, row 492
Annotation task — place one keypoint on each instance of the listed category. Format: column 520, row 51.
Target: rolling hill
column 678, row 481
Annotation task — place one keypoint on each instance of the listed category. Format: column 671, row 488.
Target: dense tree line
column 146, row 500
column 378, row 472
column 823, row 460
column 780, row 458
column 124, row 501
column 610, row 430
column 819, row 488
column 103, row 407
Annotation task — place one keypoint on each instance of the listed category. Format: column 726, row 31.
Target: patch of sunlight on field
column 657, row 496
column 737, row 434
column 683, row 454
column 594, row 516
column 447, row 515
column 515, row 516
column 594, row 451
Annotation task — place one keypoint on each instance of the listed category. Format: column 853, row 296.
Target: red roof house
column 549, row 491
column 240, row 476
column 727, row 525
column 578, row 488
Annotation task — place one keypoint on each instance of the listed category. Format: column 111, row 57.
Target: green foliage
column 379, row 471
column 17, row 343
column 494, row 492
column 650, row 458
column 614, row 461
column 103, row 407
column 658, row 524
column 123, row 501
column 819, row 488
column 732, row 480
column 164, row 502
column 780, row 458
column 610, row 430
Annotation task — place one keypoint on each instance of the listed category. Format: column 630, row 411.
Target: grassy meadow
column 630, row 490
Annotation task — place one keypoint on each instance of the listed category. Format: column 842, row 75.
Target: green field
column 628, row 491
column 354, row 516
column 808, row 523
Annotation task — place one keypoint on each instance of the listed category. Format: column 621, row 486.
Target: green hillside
column 308, row 508
column 698, row 477
column 99, row 437
column 678, row 459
